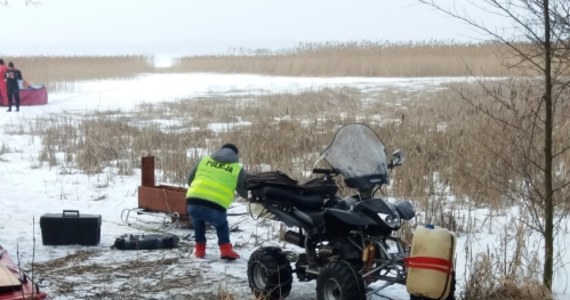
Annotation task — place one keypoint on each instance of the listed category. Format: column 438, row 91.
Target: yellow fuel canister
column 430, row 264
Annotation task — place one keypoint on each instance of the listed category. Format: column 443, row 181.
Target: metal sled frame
column 148, row 220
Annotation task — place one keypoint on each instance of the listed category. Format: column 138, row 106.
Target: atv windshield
column 358, row 154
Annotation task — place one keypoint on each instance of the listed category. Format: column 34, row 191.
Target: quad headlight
column 393, row 220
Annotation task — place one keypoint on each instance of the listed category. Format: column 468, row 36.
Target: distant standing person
column 211, row 187
column 3, row 91
column 12, row 76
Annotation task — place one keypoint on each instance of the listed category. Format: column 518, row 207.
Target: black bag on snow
column 146, row 241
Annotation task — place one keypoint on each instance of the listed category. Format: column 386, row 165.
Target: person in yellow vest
column 211, row 187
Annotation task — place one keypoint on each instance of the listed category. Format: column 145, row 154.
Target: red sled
column 34, row 95
column 30, row 94
column 14, row 283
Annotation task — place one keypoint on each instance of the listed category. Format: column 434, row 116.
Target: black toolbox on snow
column 69, row 228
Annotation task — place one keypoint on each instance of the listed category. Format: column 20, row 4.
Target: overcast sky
column 215, row 26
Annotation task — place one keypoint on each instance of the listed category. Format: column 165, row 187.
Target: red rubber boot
column 200, row 250
column 227, row 252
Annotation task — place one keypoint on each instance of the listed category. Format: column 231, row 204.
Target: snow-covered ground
column 30, row 189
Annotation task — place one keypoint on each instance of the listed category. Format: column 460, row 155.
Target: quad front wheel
column 339, row 281
column 269, row 273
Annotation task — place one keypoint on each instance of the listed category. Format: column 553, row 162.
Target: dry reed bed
column 440, row 133
column 58, row 71
column 326, row 59
column 354, row 59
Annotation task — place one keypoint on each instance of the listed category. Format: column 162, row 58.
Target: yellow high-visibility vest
column 215, row 181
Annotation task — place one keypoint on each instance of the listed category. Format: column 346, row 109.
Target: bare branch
column 567, row 183
column 561, row 151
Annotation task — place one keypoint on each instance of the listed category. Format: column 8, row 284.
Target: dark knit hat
column 231, row 146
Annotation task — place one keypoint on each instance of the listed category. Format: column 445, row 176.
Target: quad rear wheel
column 338, row 280
column 269, row 273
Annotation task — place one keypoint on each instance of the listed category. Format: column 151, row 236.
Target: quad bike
column 348, row 241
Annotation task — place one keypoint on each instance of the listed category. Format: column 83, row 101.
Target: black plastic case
column 70, row 227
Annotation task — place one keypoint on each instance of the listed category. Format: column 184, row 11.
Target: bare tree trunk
column 548, row 157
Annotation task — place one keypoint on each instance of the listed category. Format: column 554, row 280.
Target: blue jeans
column 202, row 214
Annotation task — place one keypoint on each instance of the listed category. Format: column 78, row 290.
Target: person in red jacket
column 3, row 90
column 211, row 187
column 12, row 76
